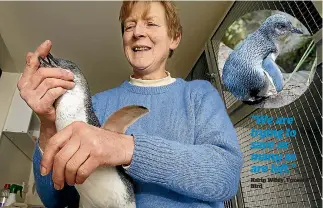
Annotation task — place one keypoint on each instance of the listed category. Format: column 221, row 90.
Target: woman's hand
column 77, row 150
column 40, row 87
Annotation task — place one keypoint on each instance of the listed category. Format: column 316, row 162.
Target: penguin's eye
column 280, row 26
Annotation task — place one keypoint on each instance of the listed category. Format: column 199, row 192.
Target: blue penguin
column 250, row 72
column 106, row 187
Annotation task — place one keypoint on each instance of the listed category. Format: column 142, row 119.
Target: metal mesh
column 307, row 114
column 228, row 204
column 200, row 70
column 304, row 11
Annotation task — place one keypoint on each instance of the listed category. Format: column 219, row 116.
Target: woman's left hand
column 77, row 150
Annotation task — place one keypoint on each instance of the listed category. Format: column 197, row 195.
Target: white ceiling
column 88, row 33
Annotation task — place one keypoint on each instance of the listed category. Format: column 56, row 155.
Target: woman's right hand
column 40, row 87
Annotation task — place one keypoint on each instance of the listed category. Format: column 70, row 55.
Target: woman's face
column 146, row 42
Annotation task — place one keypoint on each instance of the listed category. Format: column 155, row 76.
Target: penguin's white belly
column 69, row 109
column 104, row 189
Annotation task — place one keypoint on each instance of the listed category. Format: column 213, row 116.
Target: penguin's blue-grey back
column 250, row 70
column 244, row 62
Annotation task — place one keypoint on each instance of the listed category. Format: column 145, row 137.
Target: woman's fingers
column 61, row 159
column 76, row 151
column 53, row 146
column 44, row 106
column 29, row 67
column 75, row 163
column 44, row 73
column 51, row 95
column 44, row 48
column 86, row 169
column 51, row 83
column 32, row 62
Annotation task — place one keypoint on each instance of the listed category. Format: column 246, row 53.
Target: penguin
column 106, row 187
column 250, row 72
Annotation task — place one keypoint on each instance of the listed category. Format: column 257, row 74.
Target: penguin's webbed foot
column 255, row 101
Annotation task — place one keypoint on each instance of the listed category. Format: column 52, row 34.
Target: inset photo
column 267, row 59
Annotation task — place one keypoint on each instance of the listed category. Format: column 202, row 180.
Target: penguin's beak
column 48, row 61
column 52, row 60
column 296, row 30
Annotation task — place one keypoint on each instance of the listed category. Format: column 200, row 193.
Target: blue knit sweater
column 186, row 149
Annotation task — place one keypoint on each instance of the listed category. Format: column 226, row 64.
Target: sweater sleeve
column 67, row 197
column 208, row 170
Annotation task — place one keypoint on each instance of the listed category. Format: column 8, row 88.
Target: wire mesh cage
column 200, row 70
column 302, row 189
column 306, row 111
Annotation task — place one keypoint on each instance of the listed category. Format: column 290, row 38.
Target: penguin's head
column 277, row 26
column 52, row 62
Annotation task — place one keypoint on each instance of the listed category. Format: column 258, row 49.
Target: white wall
column 6, row 62
column 8, row 83
column 15, row 166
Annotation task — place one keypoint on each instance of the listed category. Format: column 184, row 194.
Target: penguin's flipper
column 274, row 72
column 120, row 120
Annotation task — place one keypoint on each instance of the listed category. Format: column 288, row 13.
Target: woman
column 183, row 153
